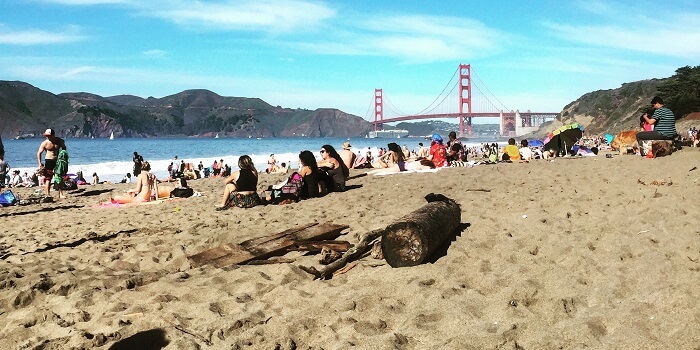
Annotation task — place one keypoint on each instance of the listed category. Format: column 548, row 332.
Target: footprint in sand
column 371, row 328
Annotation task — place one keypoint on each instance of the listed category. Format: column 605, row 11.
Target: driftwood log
column 414, row 237
column 352, row 253
column 266, row 246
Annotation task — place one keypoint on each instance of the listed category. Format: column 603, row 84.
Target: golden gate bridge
column 465, row 98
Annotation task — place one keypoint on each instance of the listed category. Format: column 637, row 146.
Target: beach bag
column 182, row 192
column 290, row 190
column 7, row 199
column 68, row 184
column 293, row 186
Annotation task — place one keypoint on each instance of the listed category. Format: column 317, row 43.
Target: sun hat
column 346, row 145
column 49, row 132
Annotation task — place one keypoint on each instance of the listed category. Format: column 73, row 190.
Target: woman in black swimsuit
column 309, row 171
column 241, row 186
column 332, row 171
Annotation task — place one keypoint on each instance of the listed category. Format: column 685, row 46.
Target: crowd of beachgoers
column 318, row 174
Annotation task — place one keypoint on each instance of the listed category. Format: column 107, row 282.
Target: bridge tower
column 465, row 84
column 378, row 108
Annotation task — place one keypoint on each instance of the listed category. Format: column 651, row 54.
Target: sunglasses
column 322, row 151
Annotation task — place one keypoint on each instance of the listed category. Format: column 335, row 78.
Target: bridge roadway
column 467, row 115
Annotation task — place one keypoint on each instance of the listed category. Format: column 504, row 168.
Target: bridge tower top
column 465, row 84
column 378, row 108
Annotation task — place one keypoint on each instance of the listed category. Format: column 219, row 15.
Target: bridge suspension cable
column 392, row 107
column 367, row 115
column 429, row 109
column 491, row 93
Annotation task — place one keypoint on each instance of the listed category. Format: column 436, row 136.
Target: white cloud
column 86, row 2
column 262, row 15
column 28, row 37
column 655, row 40
column 76, row 72
column 670, row 33
column 155, row 53
column 414, row 39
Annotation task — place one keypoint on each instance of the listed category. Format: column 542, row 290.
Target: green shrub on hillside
column 681, row 92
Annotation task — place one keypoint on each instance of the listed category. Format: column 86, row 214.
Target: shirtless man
column 51, row 146
column 347, row 155
column 422, row 151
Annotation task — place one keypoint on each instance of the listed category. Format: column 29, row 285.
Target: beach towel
column 118, row 205
column 61, row 169
column 407, row 172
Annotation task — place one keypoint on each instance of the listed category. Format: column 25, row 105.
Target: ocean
column 112, row 159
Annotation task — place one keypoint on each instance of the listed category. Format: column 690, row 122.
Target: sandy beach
column 594, row 252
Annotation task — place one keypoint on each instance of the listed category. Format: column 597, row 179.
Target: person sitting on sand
column 347, row 155
column 332, row 171
column 241, row 187
column 386, row 160
column 549, row 154
column 437, row 153
column 282, row 169
column 308, row 169
column 398, row 155
column 79, row 179
column 422, row 151
column 146, row 190
column 95, row 179
column 525, row 151
column 271, row 164
column 512, row 151
column 422, row 164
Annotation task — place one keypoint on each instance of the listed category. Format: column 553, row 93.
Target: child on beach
column 644, row 125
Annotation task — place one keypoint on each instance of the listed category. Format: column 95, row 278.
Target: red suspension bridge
column 464, row 99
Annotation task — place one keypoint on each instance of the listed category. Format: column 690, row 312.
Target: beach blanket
column 408, row 172
column 119, row 205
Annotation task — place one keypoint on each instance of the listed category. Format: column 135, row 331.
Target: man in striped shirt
column 664, row 123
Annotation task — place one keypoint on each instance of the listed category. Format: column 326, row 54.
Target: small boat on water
column 217, row 136
column 111, row 136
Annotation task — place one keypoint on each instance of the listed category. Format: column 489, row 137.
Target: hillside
column 607, row 111
column 610, row 111
column 27, row 110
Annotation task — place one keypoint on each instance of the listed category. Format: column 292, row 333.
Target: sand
column 596, row 252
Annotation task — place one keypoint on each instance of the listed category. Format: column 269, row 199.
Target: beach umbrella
column 563, row 139
column 535, row 143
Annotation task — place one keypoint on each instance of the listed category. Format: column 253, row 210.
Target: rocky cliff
column 25, row 109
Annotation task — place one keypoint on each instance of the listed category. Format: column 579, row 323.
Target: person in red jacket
column 438, row 153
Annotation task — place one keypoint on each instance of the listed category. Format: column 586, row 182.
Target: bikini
column 402, row 166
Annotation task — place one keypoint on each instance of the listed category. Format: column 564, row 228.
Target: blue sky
column 532, row 55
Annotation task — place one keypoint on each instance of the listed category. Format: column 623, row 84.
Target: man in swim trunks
column 51, row 146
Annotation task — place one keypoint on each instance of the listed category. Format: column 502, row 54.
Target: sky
column 532, row 55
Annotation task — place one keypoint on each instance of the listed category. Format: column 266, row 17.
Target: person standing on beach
column 4, row 168
column 138, row 160
column 52, row 146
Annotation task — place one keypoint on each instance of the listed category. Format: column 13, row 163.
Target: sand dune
column 567, row 254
